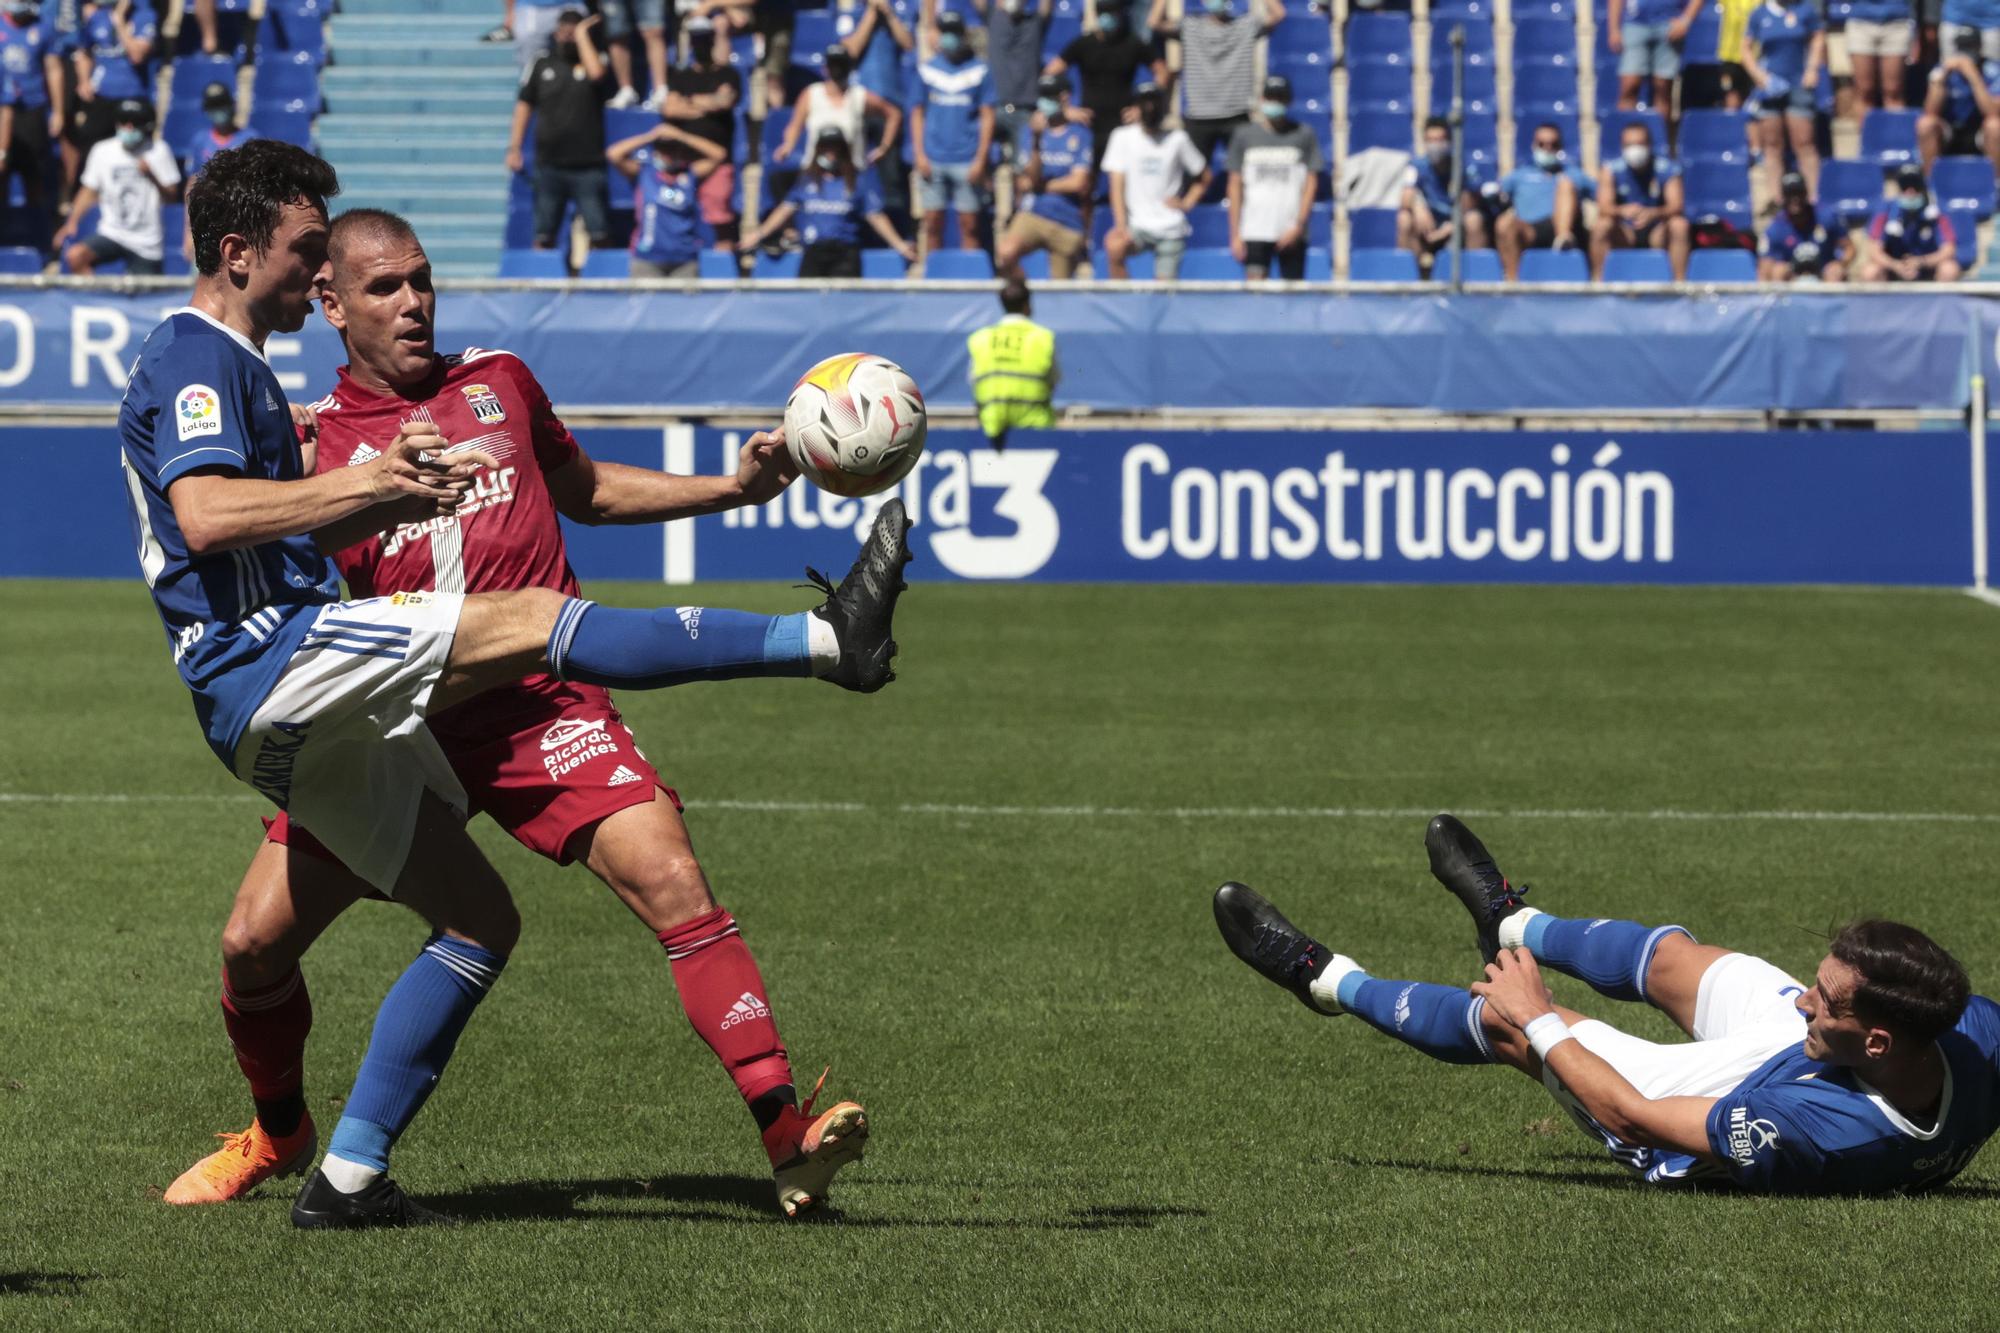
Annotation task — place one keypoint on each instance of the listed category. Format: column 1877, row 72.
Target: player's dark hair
column 242, row 192
column 1909, row 984
column 1014, row 296
column 1437, row 123
column 366, row 224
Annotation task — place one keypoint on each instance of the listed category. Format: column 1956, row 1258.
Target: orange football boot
column 806, row 1150
column 244, row 1162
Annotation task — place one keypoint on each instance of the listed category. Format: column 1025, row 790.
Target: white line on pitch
column 1986, row 595
column 1182, row 812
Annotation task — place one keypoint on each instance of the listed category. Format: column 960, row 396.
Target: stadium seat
column 623, row 123
column 1524, row 135
column 1306, row 69
column 1378, row 39
column 1210, row 264
column 1377, row 265
column 1482, row 142
column 1964, row 183
column 291, row 28
column 1319, row 224
column 1379, row 129
column 1611, row 130
column 1062, row 30
column 1711, row 134
column 1478, row 44
column 1717, row 191
column 1889, row 137
column 1319, row 264
column 958, row 266
column 1965, row 225
column 1539, row 266
column 879, row 265
column 775, row 124
column 1544, row 41
column 812, row 33
column 1540, row 88
column 283, row 120
column 1379, row 88
column 1138, row 268
column 1722, row 266
column 1371, row 228
column 1444, row 13
column 20, row 259
column 1302, row 30
column 193, row 74
column 1480, row 91
column 1850, row 188
column 1208, row 226
column 782, row 265
column 295, row 78
column 607, row 263
column 1637, row 266
column 721, row 265
column 532, row 264
column 1479, row 265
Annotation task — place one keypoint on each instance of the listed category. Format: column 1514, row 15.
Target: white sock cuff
column 1514, row 927
column 1325, row 989
column 822, row 645
column 346, row 1176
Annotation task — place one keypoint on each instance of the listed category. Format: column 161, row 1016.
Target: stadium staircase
column 416, row 120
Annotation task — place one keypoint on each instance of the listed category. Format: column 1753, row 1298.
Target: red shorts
column 716, row 195
column 543, row 781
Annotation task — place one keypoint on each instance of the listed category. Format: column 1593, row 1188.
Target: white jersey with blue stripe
column 201, row 396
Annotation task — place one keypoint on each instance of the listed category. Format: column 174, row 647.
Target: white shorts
column 341, row 743
column 1880, row 39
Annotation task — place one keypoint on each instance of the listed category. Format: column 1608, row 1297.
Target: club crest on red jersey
column 485, row 404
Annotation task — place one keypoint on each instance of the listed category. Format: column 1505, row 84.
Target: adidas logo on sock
column 364, row 454
column 691, row 619
column 621, row 777
column 745, row 1009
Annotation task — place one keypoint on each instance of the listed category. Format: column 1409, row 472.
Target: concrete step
column 469, row 53
column 466, row 10
column 355, row 186
column 340, row 80
column 349, row 157
column 419, row 107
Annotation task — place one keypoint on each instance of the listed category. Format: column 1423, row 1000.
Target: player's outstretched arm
column 1514, row 991
column 589, row 491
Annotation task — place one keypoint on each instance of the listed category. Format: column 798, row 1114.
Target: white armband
column 1546, row 1033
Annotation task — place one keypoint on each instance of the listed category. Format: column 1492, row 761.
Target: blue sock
column 1440, row 1021
column 1611, row 955
column 648, row 650
column 415, row 1031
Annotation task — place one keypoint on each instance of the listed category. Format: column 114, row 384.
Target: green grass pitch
column 1086, row 1112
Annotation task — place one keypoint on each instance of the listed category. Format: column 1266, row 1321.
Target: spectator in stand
column 1106, row 58
column 1056, row 177
column 667, row 166
column 649, row 19
column 504, row 31
column 1798, row 245
column 701, row 100
column 1014, row 33
column 1974, row 16
column 952, row 128
column 1544, row 202
column 1218, row 67
column 30, row 114
column 1910, row 238
column 565, row 93
column 218, row 103
column 1880, row 36
column 126, row 178
column 1647, row 37
column 534, row 23
column 1014, row 369
column 876, row 40
column 771, row 20
column 831, row 200
column 1423, row 224
column 1961, row 113
column 1641, row 204
column 1156, row 177
column 114, row 63
column 1274, row 166
column 1785, row 54
column 839, row 102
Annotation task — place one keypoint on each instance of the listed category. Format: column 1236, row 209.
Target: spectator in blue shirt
column 1981, row 17
column 831, row 200
column 666, row 165
column 1423, row 226
column 1640, row 204
column 1647, row 37
column 1910, row 238
column 1789, row 41
column 30, row 84
column 951, row 123
column 1544, row 202
column 876, row 36
column 114, row 62
column 1056, row 176
column 218, row 103
column 1961, row 113
column 1798, row 244
column 1880, row 34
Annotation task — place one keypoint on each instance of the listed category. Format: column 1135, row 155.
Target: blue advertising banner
column 1127, row 351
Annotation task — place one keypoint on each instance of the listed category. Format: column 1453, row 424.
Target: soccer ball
column 855, row 424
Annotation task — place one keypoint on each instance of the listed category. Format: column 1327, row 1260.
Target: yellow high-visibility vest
column 1013, row 375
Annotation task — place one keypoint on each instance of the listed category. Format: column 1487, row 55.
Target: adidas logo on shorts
column 746, row 1008
column 622, row 776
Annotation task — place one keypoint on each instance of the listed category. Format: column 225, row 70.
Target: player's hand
column 923, row 165
column 1514, row 989
column 1677, row 31
column 764, row 466
column 306, row 422
column 414, row 466
column 1811, row 80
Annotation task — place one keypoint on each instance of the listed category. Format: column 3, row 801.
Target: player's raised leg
column 1625, row 960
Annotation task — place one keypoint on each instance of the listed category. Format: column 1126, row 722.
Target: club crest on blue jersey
column 485, row 404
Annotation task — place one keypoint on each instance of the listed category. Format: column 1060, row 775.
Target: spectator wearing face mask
column 1218, row 66
column 666, row 166
column 1014, row 33
column 1961, row 113
column 1544, row 202
column 1156, row 177
column 30, row 115
column 839, row 102
column 952, row 128
column 218, row 103
column 114, row 63
column 701, row 100
column 1057, row 178
column 126, row 178
column 565, row 94
column 1910, row 239
column 1274, row 166
column 1798, row 245
column 1785, row 54
column 1107, row 57
column 1641, row 204
column 831, row 200
column 1423, row 224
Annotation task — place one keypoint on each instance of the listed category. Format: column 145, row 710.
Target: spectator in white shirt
column 126, row 178
column 1156, row 177
column 1274, row 166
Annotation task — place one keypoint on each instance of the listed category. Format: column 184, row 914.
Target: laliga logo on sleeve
column 198, row 412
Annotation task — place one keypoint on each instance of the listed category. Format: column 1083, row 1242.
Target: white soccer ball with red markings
column 855, row 424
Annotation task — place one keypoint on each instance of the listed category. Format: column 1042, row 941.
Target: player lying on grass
column 1881, row 1076
column 551, row 761
column 319, row 703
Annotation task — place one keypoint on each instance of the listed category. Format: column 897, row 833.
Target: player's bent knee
column 253, row 953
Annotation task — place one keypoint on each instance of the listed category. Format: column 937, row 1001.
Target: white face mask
column 1638, row 156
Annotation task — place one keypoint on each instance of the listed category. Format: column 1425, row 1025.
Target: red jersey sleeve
column 554, row 446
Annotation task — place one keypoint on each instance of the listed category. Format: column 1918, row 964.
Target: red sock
column 268, row 1028
column 723, row 995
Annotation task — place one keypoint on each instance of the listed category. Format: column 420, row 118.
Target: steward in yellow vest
column 1014, row 370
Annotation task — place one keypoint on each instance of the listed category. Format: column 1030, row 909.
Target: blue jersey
column 207, row 143
column 1903, row 232
column 1660, row 12
column 953, row 93
column 670, row 231
column 1650, row 190
column 1783, row 33
column 202, row 396
column 1972, row 13
column 830, row 210
column 1879, row 11
column 1808, row 250
column 23, row 81
column 1533, row 191
column 880, row 67
column 1064, row 148
column 1435, row 186
column 1961, row 107
column 112, row 75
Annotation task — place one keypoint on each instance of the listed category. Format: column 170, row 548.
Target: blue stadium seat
column 1319, row 264
column 1481, row 90
column 1444, row 13
column 958, row 266
column 880, row 265
column 1850, row 188
column 1722, row 266
column 812, row 33
column 1302, row 30
column 783, row 265
column 1380, row 88
column 1480, row 266
column 1210, row 264
column 1544, row 41
column 1319, row 225
column 1539, row 266
column 1524, row 135
column 1371, row 228
column 1540, row 88
column 194, row 73
column 1964, row 183
column 1208, row 225
column 1611, row 131
column 607, row 263
column 1379, row 129
column 22, row 259
column 1377, row 265
column 1889, row 137
column 1308, row 70
column 1717, row 191
column 283, row 120
column 290, row 29
column 295, row 78
column 775, row 125
column 1965, row 225
column 532, row 264
column 1062, row 30
column 1482, row 142
column 1378, row 39
column 1711, row 134
column 623, row 123
column 181, row 125
column 1637, row 266
column 1478, row 44
column 721, row 265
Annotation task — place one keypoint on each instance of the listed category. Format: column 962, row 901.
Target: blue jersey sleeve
column 202, row 418
column 1981, row 1022
column 1764, row 1138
